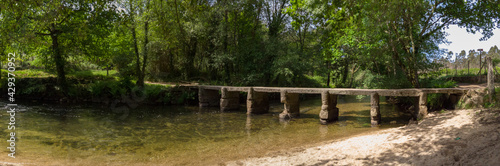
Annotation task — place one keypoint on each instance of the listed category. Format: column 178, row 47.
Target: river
column 55, row 134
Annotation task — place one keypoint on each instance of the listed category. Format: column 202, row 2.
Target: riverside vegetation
column 95, row 86
column 120, row 50
column 299, row 43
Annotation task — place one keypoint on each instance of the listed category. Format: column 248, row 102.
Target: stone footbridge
column 258, row 102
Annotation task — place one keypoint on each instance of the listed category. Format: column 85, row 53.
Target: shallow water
column 49, row 134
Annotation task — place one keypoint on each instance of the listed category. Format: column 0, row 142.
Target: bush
column 176, row 96
column 369, row 80
column 438, row 83
column 153, row 90
column 124, row 66
column 437, row 101
column 110, row 88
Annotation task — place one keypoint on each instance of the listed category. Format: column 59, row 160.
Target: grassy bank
column 93, row 86
column 456, row 73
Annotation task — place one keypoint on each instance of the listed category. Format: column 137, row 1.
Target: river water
column 53, row 134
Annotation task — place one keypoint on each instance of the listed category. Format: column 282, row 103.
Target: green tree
column 396, row 35
column 415, row 28
column 63, row 24
column 143, row 15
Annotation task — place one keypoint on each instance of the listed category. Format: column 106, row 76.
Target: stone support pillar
column 452, row 100
column 329, row 111
column 291, row 105
column 375, row 110
column 208, row 98
column 422, row 106
column 229, row 100
column 257, row 102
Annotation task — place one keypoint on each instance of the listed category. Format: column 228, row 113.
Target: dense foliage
column 241, row 42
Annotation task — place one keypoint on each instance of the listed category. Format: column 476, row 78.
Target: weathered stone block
column 291, row 105
column 375, row 110
column 329, row 111
column 225, row 102
column 422, row 106
column 454, row 98
column 324, row 107
column 283, row 96
column 257, row 102
column 208, row 98
column 325, row 100
column 329, row 114
column 225, row 94
column 229, row 104
column 229, row 100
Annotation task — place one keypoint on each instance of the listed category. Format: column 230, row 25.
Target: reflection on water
column 174, row 135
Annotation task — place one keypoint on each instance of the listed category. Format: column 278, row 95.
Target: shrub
column 125, row 64
column 109, row 88
column 153, row 90
column 369, row 80
column 437, row 101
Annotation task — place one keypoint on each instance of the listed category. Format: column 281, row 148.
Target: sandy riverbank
column 460, row 137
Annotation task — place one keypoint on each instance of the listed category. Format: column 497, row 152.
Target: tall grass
column 32, row 73
column 458, row 73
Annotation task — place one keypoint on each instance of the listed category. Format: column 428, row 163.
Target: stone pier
column 422, row 106
column 291, row 105
column 375, row 110
column 230, row 100
column 257, row 102
column 208, row 97
column 329, row 111
column 453, row 100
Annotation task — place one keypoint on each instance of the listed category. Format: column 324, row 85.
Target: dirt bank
column 461, row 137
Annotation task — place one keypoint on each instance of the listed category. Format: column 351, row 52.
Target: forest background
column 307, row 43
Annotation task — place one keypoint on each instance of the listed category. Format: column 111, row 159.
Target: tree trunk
column 328, row 74
column 61, row 76
column 256, row 21
column 224, row 45
column 191, row 54
column 415, row 77
column 354, row 70
column 1, row 64
column 142, row 72
column 136, row 50
column 345, row 72
column 171, row 62
column 134, row 38
column 141, row 69
column 456, row 70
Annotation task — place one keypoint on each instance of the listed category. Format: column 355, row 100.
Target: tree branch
column 429, row 18
column 437, row 28
column 43, row 34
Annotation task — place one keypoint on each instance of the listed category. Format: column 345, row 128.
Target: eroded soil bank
column 460, row 137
